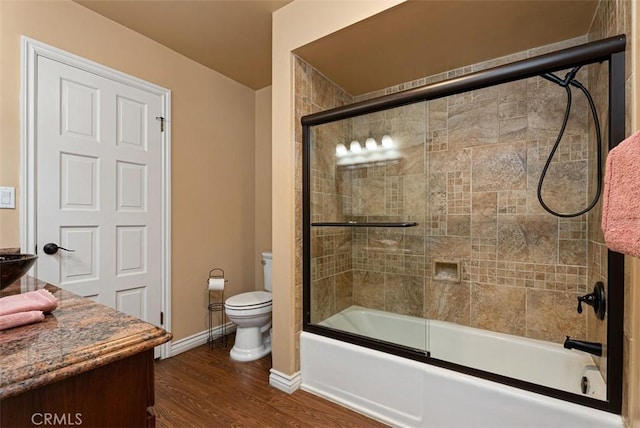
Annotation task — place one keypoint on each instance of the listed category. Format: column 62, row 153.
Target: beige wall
column 292, row 29
column 262, row 181
column 212, row 145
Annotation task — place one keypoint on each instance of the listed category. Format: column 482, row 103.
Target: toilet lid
column 251, row 299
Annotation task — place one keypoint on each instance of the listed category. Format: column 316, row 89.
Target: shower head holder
column 596, row 300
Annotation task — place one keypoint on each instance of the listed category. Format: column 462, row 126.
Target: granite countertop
column 78, row 336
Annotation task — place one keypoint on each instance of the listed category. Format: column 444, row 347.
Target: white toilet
column 251, row 313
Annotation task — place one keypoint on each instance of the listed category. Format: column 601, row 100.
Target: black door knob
column 52, row 248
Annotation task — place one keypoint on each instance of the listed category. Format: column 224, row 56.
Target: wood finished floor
column 204, row 388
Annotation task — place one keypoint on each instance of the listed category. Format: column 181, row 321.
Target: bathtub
column 403, row 392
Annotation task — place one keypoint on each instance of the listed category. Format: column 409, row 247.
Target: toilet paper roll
column 216, row 284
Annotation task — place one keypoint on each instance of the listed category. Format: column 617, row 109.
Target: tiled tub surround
column 474, row 197
column 79, row 336
column 468, row 175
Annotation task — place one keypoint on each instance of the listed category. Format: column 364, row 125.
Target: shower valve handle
column 588, row 299
column 595, row 299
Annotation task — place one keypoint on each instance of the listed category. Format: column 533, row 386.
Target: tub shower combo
column 454, row 270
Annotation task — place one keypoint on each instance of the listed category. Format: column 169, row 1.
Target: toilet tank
column 266, row 270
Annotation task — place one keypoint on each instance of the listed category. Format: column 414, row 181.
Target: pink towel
column 40, row 300
column 20, row 318
column 621, row 199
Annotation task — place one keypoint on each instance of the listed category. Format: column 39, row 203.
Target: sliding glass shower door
column 367, row 211
column 425, row 234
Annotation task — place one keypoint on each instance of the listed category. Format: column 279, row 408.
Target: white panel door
column 98, row 163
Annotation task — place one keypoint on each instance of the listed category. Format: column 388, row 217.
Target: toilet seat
column 249, row 301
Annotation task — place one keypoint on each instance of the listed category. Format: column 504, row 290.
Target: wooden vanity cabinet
column 119, row 394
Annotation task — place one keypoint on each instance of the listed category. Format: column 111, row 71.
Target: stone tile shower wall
column 331, row 247
column 468, row 176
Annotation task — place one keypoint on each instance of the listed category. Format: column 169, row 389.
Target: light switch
column 7, row 197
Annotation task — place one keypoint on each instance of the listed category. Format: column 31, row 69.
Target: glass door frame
column 611, row 49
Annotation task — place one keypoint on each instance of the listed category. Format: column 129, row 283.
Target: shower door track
column 611, row 49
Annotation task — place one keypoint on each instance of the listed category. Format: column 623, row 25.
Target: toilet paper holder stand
column 218, row 337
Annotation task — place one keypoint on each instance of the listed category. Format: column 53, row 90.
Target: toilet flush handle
column 264, row 262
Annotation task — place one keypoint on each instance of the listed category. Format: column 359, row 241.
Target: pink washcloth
column 40, row 300
column 20, row 318
column 621, row 199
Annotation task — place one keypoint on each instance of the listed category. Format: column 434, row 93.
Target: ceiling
column 423, row 38
column 232, row 37
column 412, row 40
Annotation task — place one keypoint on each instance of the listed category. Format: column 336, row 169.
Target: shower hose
column 568, row 81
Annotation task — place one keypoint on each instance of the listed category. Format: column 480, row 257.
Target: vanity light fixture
column 370, row 152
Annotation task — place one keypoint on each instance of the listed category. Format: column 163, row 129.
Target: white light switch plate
column 7, row 197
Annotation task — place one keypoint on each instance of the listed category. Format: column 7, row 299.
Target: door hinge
column 161, row 119
column 161, row 318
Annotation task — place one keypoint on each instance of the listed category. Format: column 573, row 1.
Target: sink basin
column 13, row 267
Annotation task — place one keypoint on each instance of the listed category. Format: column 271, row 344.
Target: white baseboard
column 283, row 382
column 195, row 340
